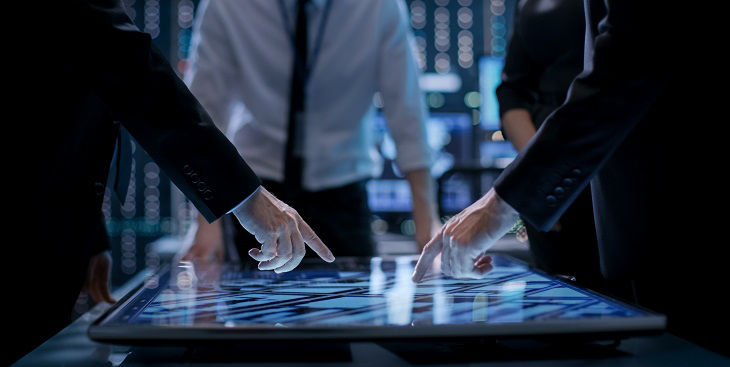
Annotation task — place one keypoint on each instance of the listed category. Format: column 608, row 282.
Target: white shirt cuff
column 245, row 200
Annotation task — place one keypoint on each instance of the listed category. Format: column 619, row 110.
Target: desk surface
column 72, row 347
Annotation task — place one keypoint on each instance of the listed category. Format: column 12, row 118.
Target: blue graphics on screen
column 490, row 76
column 382, row 294
column 451, row 121
column 394, row 195
column 389, row 196
column 450, row 139
column 497, row 153
column 441, row 129
column 456, row 194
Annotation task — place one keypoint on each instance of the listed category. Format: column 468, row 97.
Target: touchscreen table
column 358, row 299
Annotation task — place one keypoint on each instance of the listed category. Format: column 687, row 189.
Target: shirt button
column 551, row 200
column 576, row 172
column 559, row 191
column 568, row 182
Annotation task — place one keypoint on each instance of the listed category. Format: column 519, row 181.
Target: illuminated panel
column 490, row 76
column 380, row 294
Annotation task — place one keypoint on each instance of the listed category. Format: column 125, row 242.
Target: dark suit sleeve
column 624, row 73
column 519, row 76
column 148, row 98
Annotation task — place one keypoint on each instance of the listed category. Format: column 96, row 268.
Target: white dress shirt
column 240, row 70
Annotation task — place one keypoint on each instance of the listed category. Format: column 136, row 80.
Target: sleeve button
column 576, row 172
column 551, row 200
column 568, row 182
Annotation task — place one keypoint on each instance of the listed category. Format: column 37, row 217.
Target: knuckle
column 299, row 251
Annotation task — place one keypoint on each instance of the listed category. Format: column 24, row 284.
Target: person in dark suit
column 101, row 73
column 626, row 129
column 544, row 55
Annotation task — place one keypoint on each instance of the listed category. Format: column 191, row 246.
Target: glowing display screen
column 370, row 292
column 490, row 70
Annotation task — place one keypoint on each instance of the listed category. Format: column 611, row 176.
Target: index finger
column 313, row 241
column 430, row 251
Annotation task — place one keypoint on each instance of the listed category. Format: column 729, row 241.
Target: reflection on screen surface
column 379, row 294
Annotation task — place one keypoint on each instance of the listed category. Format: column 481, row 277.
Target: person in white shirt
column 304, row 73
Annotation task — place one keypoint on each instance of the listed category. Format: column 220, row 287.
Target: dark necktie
column 293, row 162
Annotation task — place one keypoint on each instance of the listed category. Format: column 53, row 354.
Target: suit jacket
column 105, row 73
column 628, row 129
column 90, row 71
column 642, row 125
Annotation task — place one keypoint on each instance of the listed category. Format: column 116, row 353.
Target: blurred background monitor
column 450, row 137
column 490, row 76
column 460, row 47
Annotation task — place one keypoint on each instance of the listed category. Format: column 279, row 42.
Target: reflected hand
column 208, row 243
column 97, row 278
column 465, row 237
column 280, row 230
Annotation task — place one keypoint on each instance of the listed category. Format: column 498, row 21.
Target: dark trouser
column 573, row 250
column 689, row 289
column 693, row 300
column 340, row 217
